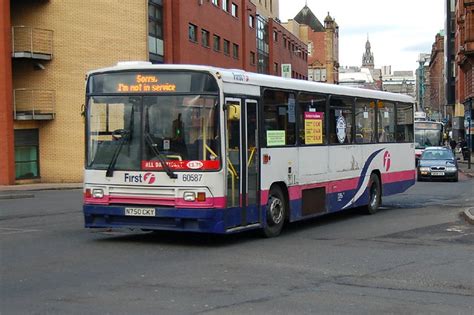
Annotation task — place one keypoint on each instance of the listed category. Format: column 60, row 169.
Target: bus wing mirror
column 233, row 112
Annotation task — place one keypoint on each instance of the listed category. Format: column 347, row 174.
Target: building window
column 235, row 51
column 205, row 38
column 217, row 43
column 192, row 33
column 251, row 21
column 275, row 36
column 310, row 48
column 262, row 46
column 26, row 154
column 234, row 10
column 225, row 5
column 284, row 42
column 252, row 58
column 215, row 2
column 275, row 68
column 155, row 31
column 226, row 47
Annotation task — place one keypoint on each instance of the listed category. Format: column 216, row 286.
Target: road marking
column 6, row 231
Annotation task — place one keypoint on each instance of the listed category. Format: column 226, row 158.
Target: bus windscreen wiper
column 123, row 136
column 160, row 157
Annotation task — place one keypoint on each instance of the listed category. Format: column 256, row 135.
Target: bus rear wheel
column 375, row 194
column 275, row 212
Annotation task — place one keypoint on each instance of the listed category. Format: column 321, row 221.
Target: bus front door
column 242, row 161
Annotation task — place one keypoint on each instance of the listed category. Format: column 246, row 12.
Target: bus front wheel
column 275, row 212
column 375, row 194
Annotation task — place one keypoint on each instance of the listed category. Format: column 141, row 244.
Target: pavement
column 26, row 190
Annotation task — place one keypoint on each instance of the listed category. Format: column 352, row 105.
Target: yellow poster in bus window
column 313, row 127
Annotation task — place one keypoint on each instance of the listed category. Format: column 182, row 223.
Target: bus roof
column 238, row 76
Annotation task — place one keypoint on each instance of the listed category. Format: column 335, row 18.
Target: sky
column 398, row 30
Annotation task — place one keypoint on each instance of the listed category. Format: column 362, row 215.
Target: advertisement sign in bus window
column 313, row 127
column 276, row 137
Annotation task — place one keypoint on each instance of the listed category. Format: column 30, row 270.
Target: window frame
column 193, row 39
column 368, row 104
column 226, row 47
column 235, row 51
column 205, row 38
column 234, row 10
column 330, row 123
column 264, row 114
column 300, row 117
column 216, row 43
column 34, row 142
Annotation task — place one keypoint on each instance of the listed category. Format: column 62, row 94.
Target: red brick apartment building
column 48, row 47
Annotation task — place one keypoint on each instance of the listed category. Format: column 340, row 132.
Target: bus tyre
column 275, row 212
column 375, row 194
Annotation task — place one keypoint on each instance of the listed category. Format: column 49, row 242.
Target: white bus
column 427, row 134
column 203, row 149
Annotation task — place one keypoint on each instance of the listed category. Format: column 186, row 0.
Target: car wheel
column 375, row 194
column 275, row 212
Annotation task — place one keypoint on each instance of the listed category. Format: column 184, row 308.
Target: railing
column 33, row 104
column 28, row 42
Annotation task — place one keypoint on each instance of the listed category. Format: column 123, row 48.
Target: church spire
column 368, row 56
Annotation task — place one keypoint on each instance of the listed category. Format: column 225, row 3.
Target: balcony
column 32, row 104
column 34, row 43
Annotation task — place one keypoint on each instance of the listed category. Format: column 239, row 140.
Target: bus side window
column 405, row 122
column 340, row 120
column 312, row 108
column 279, row 118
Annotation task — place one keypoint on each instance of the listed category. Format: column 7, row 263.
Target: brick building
column 436, row 108
column 323, row 44
column 464, row 50
column 49, row 46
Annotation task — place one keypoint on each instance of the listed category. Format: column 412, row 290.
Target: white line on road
column 6, row 231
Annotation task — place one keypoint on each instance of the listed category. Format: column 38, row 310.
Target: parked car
column 437, row 163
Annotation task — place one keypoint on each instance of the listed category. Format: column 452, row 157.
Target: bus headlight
column 97, row 193
column 189, row 196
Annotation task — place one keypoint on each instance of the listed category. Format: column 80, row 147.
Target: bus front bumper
column 149, row 218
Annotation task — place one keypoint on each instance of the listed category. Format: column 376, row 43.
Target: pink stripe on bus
column 394, row 177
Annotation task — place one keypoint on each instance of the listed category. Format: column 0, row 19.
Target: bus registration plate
column 140, row 212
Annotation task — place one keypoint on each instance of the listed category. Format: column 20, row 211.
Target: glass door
column 242, row 157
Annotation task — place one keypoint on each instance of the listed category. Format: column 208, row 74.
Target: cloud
column 368, row 29
column 419, row 47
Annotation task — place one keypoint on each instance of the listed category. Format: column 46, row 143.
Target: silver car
column 437, row 163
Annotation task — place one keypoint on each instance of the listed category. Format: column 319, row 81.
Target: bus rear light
column 201, row 196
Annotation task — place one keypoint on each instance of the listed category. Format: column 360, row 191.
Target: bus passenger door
column 242, row 159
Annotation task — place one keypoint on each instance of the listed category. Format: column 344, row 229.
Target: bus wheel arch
column 277, row 210
column 375, row 192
